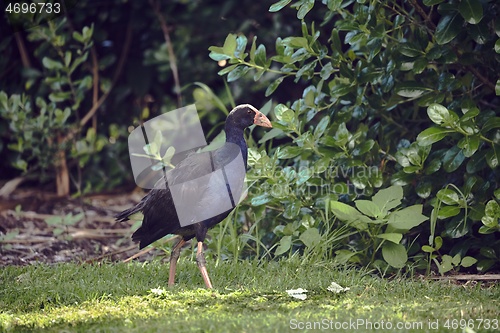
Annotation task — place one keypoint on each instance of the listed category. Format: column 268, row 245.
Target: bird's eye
column 249, row 111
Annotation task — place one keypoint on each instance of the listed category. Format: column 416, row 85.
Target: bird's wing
column 207, row 184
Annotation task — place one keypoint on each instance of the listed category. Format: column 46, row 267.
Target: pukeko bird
column 160, row 214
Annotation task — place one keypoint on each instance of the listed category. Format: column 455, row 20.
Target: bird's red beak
column 261, row 120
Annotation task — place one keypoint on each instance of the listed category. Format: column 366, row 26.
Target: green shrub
column 371, row 70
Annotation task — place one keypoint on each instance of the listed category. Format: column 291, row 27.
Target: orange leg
column 174, row 256
column 200, row 260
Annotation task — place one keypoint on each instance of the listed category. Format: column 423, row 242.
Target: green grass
column 248, row 297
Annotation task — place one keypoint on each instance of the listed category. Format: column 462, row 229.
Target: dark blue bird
column 160, row 214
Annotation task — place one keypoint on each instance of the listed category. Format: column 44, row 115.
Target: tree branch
column 171, row 54
column 481, row 77
column 422, row 13
column 119, row 68
column 22, row 50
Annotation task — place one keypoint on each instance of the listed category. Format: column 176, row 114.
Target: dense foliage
column 397, row 92
column 72, row 85
column 391, row 107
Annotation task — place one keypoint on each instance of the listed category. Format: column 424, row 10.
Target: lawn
column 247, row 297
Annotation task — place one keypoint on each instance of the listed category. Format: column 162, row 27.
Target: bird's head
column 245, row 115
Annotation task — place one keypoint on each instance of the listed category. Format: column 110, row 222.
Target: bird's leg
column 200, row 260
column 174, row 256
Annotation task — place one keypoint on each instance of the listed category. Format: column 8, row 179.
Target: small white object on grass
column 298, row 293
column 158, row 291
column 336, row 288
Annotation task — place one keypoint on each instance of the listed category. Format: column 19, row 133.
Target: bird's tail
column 124, row 216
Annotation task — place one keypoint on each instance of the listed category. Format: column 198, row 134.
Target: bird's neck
column 235, row 135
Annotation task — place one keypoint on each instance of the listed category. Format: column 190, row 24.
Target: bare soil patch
column 47, row 229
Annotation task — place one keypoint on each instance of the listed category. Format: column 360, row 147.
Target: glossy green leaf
column 227, row 69
column 432, row 135
column 253, row 49
column 411, row 169
column 411, row 89
column 433, row 166
column 448, row 211
column 492, row 123
column 453, row 159
column 284, row 113
column 471, row 10
column 271, row 135
column 394, row 254
column 306, row 6
column 424, row 189
column 304, row 175
column 261, row 199
column 295, row 42
column 272, row 87
column 456, row 228
column 448, row 28
column 364, row 148
column 449, row 196
column 419, row 65
column 260, row 56
column 279, row 5
column 477, row 162
column 469, row 145
column 321, row 127
column 292, row 209
column 289, row 152
column 492, row 156
column 334, row 5
column 236, row 73
column 241, row 44
column 488, row 252
column 336, row 43
column 51, row 64
column 340, row 87
column 492, row 209
column 327, row 71
column 341, row 135
column 229, row 45
column 485, row 264
column 410, row 50
column 486, row 230
column 438, row 113
column 480, row 33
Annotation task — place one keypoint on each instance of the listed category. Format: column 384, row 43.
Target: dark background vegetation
column 363, row 95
